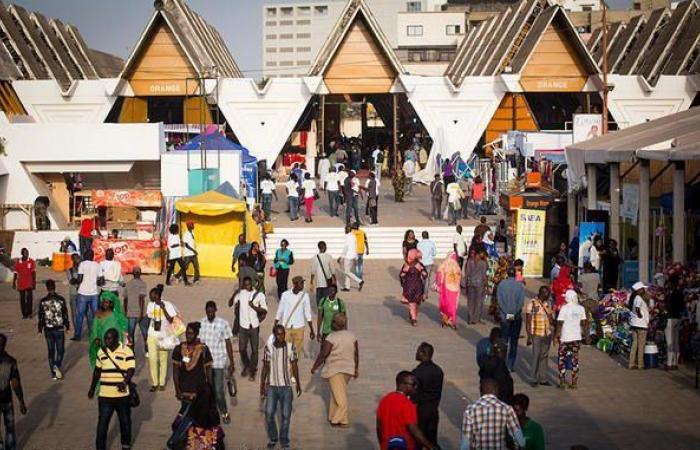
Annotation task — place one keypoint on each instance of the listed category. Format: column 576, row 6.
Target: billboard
column 587, row 126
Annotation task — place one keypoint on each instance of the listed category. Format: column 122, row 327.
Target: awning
column 210, row 203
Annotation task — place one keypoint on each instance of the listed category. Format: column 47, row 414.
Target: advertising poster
column 148, row 255
column 124, row 198
column 587, row 126
column 529, row 241
column 629, row 210
column 588, row 232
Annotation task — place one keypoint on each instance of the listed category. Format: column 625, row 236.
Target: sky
column 114, row 26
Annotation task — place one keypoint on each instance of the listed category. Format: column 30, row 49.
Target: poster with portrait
column 588, row 233
column 529, row 241
column 587, row 126
column 630, row 202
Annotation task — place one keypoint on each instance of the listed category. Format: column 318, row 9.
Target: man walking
column 112, row 272
column 89, row 277
column 459, row 245
column 135, row 307
column 350, row 196
column 409, row 169
column 24, row 282
column 53, row 321
column 539, row 319
column 349, row 256
column 430, row 380
column 639, row 322
column 114, row 369
column 251, row 310
column 280, row 371
column 267, row 189
column 429, row 252
column 215, row 333
column 372, row 188
column 378, row 158
column 397, row 418
column 175, row 255
column 362, row 249
column 333, row 188
column 511, row 296
column 294, row 312
column 486, row 421
column 292, row 186
column 189, row 252
column 9, row 382
column 436, row 188
column 322, row 272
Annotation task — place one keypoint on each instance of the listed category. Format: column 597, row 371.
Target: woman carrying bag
column 284, row 258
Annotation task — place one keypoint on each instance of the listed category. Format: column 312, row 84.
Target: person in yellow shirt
column 362, row 248
column 114, row 368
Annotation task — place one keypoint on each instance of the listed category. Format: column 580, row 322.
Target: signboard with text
column 529, row 241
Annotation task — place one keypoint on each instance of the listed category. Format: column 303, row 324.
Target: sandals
column 153, row 389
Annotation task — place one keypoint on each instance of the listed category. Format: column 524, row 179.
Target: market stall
column 131, row 218
column 219, row 219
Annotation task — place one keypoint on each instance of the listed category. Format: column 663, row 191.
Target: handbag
column 329, row 281
column 273, row 271
column 134, row 399
column 180, row 427
column 316, row 195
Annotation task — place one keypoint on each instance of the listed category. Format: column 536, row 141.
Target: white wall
column 173, row 170
column 632, row 102
column 434, row 29
column 263, row 120
column 89, row 101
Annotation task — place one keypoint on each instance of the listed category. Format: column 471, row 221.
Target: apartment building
column 294, row 32
column 427, row 41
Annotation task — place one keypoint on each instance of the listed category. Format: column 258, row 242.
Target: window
column 271, row 64
column 414, row 30
column 287, row 12
column 446, row 56
column 452, row 30
column 303, row 11
column 270, row 50
column 303, row 35
column 416, row 56
column 270, row 36
column 286, row 23
column 271, row 12
column 286, row 63
column 414, row 6
column 304, row 63
column 270, row 23
column 304, row 22
column 286, row 49
column 587, row 8
column 321, row 10
column 287, row 36
column 303, row 49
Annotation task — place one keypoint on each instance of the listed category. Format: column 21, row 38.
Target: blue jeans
column 267, row 205
column 8, row 416
column 478, row 209
column 333, row 203
column 284, row 396
column 55, row 342
column 510, row 330
column 359, row 266
column 85, row 303
column 219, row 391
column 349, row 207
column 143, row 326
column 293, row 207
column 106, row 408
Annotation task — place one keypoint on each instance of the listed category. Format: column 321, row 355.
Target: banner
column 587, row 233
column 630, row 202
column 123, row 198
column 587, row 126
column 529, row 241
column 148, row 255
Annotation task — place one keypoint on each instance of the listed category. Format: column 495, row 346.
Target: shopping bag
column 180, row 426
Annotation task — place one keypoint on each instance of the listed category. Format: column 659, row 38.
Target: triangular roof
column 520, row 31
column 352, row 11
column 201, row 43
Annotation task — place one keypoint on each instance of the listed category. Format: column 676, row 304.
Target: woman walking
column 560, row 285
column 409, row 243
column 340, row 357
column 412, row 278
column 256, row 260
column 110, row 315
column 571, row 322
column 284, row 258
column 309, row 187
column 475, row 270
column 161, row 313
column 447, row 280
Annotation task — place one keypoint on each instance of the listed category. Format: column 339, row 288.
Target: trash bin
column 651, row 356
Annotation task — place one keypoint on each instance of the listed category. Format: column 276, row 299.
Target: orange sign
column 146, row 254
column 123, row 198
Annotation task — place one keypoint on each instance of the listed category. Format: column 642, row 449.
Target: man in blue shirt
column 511, row 297
column 484, row 346
column 428, row 251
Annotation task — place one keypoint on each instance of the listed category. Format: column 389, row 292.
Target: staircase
column 384, row 242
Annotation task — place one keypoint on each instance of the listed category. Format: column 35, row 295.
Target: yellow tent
column 219, row 220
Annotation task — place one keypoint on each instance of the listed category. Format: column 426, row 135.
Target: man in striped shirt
column 279, row 358
column 486, row 421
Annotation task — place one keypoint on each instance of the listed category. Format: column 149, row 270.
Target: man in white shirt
column 349, row 256
column 378, row 161
column 293, row 196
column 428, row 251
column 409, row 169
column 459, row 244
column 89, row 276
column 267, row 189
column 175, row 255
column 251, row 309
column 322, row 271
column 112, row 272
column 454, row 201
column 189, row 251
column 639, row 323
column 333, row 188
column 294, row 312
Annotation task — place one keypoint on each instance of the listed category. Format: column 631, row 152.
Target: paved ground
column 612, row 409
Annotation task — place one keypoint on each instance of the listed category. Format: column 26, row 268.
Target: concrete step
column 384, row 242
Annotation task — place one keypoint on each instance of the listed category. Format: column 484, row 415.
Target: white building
column 427, row 41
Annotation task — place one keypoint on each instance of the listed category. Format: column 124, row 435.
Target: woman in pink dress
column 447, row 281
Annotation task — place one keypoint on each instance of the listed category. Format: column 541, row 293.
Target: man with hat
column 189, row 253
column 639, row 323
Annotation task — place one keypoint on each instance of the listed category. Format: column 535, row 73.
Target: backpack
column 380, row 158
